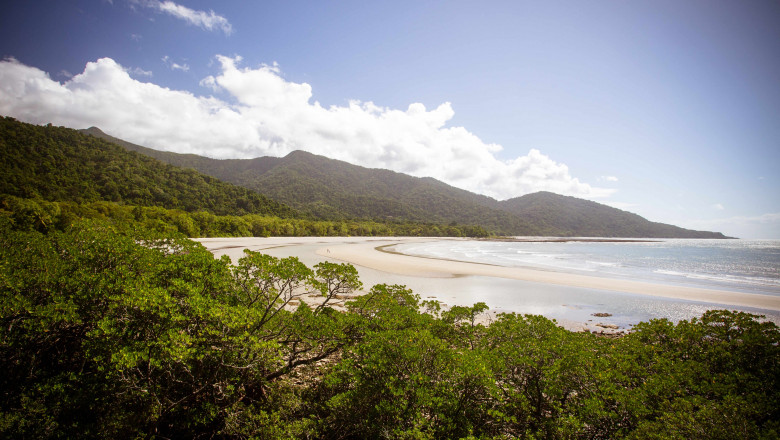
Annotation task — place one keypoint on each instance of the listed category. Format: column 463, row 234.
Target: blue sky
column 670, row 109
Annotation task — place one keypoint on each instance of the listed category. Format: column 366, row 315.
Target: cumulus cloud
column 205, row 20
column 608, row 179
column 264, row 114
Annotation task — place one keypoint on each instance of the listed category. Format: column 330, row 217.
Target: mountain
column 334, row 189
column 62, row 164
column 591, row 219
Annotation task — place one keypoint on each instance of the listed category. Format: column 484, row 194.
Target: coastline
column 392, row 261
column 572, row 299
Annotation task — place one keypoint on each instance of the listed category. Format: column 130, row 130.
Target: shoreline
column 571, row 240
column 573, row 300
column 395, row 262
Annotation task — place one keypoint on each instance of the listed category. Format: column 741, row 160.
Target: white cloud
column 206, row 20
column 175, row 66
column 718, row 206
column 608, row 179
column 267, row 115
column 137, row 71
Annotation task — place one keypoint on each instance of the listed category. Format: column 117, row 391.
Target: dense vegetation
column 60, row 164
column 111, row 335
column 334, row 189
column 40, row 215
column 55, row 175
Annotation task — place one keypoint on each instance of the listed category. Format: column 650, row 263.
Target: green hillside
column 333, row 189
column 583, row 218
column 62, row 164
column 337, row 190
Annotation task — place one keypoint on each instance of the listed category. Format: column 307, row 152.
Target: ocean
column 750, row 266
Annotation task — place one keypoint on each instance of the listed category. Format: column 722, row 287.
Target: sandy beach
column 507, row 288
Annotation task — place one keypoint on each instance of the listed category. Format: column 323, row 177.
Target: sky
column 669, row 109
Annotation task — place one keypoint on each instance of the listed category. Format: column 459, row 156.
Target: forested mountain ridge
column 591, row 219
column 62, row 164
column 334, row 189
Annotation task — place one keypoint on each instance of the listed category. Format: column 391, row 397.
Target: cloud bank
column 258, row 113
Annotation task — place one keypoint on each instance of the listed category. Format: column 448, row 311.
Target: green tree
column 544, row 373
column 401, row 380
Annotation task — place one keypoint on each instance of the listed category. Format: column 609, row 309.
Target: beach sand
column 572, row 299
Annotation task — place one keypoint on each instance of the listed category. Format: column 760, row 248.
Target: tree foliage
column 141, row 334
column 42, row 215
column 61, row 164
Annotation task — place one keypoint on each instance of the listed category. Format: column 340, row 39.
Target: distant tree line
column 41, row 215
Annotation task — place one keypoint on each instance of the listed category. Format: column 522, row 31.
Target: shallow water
column 749, row 266
column 566, row 303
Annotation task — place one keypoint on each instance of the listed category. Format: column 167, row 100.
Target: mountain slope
column 62, row 164
column 590, row 219
column 334, row 189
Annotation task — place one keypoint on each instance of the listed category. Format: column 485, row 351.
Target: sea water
column 750, row 266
